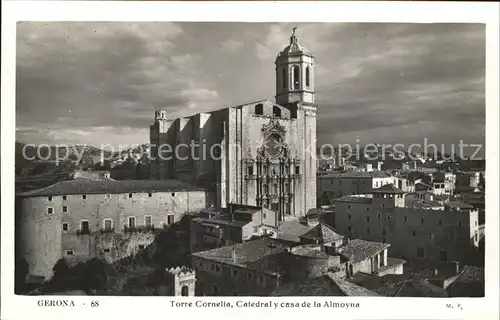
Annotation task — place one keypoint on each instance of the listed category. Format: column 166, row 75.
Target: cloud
column 377, row 81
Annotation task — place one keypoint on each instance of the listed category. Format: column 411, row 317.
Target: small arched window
column 283, row 78
column 307, row 77
column 185, row 291
column 277, row 111
column 275, row 188
column 259, row 109
column 296, row 77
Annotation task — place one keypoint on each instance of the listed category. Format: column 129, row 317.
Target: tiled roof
column 471, row 274
column 245, row 253
column 388, row 188
column 459, row 205
column 398, row 286
column 222, row 220
column 326, row 285
column 87, row 186
column 356, row 175
column 360, row 198
column 322, row 233
column 358, row 250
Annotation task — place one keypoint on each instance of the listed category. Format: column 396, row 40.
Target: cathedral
column 261, row 153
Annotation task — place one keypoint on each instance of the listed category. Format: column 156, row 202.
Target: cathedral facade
column 261, row 153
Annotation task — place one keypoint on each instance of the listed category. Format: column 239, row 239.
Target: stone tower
column 295, row 91
column 160, row 134
column 181, row 281
column 294, row 74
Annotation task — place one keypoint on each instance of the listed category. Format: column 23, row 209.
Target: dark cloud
column 100, row 82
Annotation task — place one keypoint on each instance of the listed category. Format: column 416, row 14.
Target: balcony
column 151, row 228
column 108, row 230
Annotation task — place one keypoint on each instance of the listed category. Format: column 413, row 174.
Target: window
column 217, row 268
column 378, row 216
column 296, row 77
column 414, row 233
column 440, row 222
column 283, row 78
column 476, row 238
column 173, row 194
column 106, row 250
column 69, row 252
column 276, row 111
column 259, row 109
column 307, row 77
column 131, row 222
column 406, row 219
column 420, row 252
column 84, row 196
column 349, row 217
column 443, row 255
column 65, row 208
column 108, row 224
column 384, row 240
column 250, row 170
column 367, row 219
column 150, row 195
column 349, row 228
column 235, row 273
column 50, row 198
column 459, row 223
column 185, row 291
column 64, row 197
column 65, row 226
column 50, row 210
column 297, row 170
column 275, row 188
column 141, row 247
column 261, row 279
column 367, row 209
column 148, row 221
column 84, row 227
column 389, row 217
column 249, row 276
column 264, row 215
column 130, row 195
column 422, row 220
column 170, row 219
column 475, row 223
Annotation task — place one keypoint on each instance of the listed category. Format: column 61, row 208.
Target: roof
column 88, row 186
column 325, row 285
column 356, row 198
column 388, row 188
column 471, row 274
column 356, row 175
column 358, row 250
column 469, row 283
column 245, row 253
column 459, row 205
column 322, row 233
column 222, row 220
column 397, row 286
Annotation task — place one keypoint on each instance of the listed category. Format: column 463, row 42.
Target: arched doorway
column 185, row 291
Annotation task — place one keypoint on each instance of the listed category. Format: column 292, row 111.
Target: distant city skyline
column 99, row 83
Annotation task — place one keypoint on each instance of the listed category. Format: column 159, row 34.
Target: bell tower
column 294, row 74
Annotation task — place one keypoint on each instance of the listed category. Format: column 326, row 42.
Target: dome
column 294, row 46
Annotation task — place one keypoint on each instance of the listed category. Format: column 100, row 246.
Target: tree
column 61, row 271
column 94, row 275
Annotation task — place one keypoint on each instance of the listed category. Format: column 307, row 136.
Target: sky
column 99, row 82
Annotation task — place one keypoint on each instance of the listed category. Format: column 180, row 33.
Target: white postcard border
column 21, row 307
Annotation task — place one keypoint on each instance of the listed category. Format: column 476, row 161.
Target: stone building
column 260, row 153
column 215, row 228
column 260, row 267
column 84, row 218
column 419, row 231
column 334, row 185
